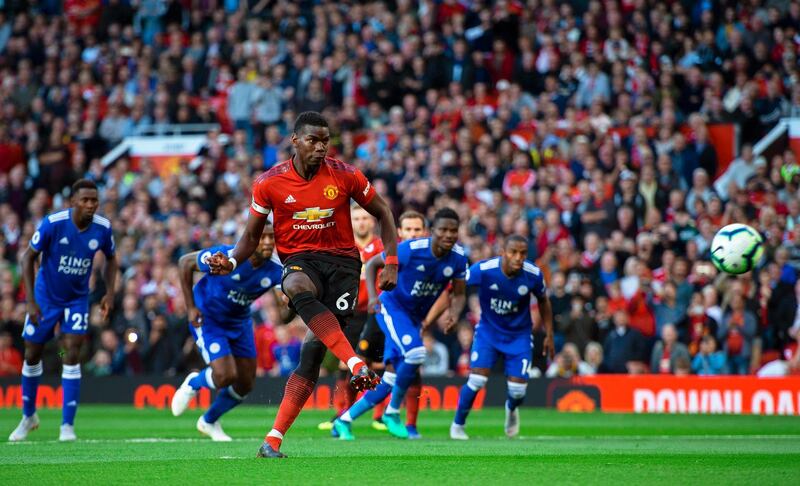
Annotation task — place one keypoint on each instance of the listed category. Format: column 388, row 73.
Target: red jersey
column 311, row 216
column 374, row 247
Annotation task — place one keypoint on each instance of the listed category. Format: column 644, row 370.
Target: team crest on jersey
column 93, row 244
column 331, row 192
column 522, row 290
column 35, row 238
column 266, row 282
column 448, row 271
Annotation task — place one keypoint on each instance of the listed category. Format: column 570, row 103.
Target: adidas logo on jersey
column 494, row 287
column 236, row 277
column 421, row 268
column 290, row 199
column 64, row 241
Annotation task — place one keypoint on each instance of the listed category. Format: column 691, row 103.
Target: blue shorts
column 73, row 317
column 401, row 331
column 216, row 341
column 487, row 346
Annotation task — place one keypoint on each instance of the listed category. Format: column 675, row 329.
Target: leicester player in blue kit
column 219, row 316
column 504, row 285
column 67, row 242
column 426, row 267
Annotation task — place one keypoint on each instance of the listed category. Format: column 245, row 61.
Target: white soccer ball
column 737, row 248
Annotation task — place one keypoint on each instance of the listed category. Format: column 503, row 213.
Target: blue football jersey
column 421, row 277
column 228, row 297
column 67, row 256
column 505, row 302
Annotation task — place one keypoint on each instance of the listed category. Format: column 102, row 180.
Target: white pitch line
column 163, row 440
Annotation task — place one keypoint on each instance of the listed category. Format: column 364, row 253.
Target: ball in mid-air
column 736, row 248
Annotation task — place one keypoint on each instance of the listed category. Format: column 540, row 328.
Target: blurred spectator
column 667, row 351
column 593, row 355
column 736, row 332
column 568, row 363
column 437, row 357
column 10, row 358
column 624, row 346
column 708, row 361
column 578, row 326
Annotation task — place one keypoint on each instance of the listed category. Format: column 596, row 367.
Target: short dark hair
column 446, row 213
column 312, row 118
column 82, row 184
column 411, row 214
column 517, row 239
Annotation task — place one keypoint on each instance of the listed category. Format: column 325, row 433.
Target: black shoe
column 266, row 450
column 365, row 379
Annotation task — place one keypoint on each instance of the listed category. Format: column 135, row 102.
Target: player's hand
column 388, row 278
column 219, row 264
column 195, row 317
column 373, row 305
column 449, row 322
column 34, row 313
column 549, row 347
column 106, row 306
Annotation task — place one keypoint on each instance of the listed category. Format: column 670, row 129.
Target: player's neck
column 438, row 251
column 305, row 171
column 77, row 221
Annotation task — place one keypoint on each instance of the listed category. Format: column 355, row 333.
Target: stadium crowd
column 582, row 125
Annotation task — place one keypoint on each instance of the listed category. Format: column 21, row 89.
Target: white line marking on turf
column 182, row 440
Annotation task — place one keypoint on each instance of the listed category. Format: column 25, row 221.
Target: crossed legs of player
column 70, row 382
column 232, row 375
column 324, row 327
column 517, row 387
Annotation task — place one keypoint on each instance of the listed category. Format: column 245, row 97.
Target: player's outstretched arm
column 371, row 274
column 28, row 262
column 378, row 208
column 188, row 265
column 282, row 301
column 221, row 264
column 546, row 312
column 110, row 276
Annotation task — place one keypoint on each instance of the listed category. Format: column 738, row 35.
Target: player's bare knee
column 33, row 355
column 475, row 382
column 517, row 390
column 415, row 356
column 298, row 283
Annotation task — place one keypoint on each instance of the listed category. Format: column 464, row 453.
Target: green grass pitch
column 122, row 445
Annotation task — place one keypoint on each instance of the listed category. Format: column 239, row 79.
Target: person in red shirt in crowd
column 83, row 13
column 10, row 357
column 310, row 196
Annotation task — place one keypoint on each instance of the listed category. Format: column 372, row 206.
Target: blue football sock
column 227, row 398
column 516, row 394
column 406, row 373
column 371, row 398
column 465, row 400
column 71, row 384
column 30, row 387
column 203, row 380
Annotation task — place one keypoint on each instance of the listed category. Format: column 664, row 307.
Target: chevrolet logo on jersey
column 313, row 214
